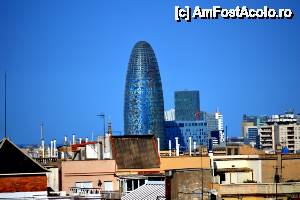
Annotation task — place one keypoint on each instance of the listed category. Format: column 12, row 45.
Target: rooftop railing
column 94, row 192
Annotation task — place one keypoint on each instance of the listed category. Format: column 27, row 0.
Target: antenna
column 5, row 106
column 42, row 131
column 226, row 135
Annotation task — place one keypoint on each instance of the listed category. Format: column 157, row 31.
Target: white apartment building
column 219, row 118
column 285, row 135
column 215, row 123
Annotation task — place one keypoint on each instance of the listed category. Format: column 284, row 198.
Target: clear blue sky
column 66, row 61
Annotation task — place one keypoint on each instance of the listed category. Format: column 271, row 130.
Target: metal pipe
column 54, row 148
column 170, row 148
column 158, row 146
column 190, row 145
column 177, row 146
column 73, row 139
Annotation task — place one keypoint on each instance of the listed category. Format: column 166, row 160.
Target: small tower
column 108, row 148
column 109, row 131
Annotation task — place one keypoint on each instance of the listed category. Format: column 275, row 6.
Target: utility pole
column 42, row 140
column 202, row 197
column 5, row 134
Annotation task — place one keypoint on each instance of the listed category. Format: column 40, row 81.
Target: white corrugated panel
column 149, row 191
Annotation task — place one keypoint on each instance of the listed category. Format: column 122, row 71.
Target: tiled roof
column 152, row 190
column 135, row 151
column 13, row 160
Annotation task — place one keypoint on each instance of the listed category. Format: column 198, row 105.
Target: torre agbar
column 144, row 104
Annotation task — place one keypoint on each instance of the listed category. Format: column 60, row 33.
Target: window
column 108, row 186
column 142, row 182
column 236, row 151
column 135, row 184
column 84, row 184
column 129, row 185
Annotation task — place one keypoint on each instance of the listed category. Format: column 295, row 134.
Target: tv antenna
column 5, row 134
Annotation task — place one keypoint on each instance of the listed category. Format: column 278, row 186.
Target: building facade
column 170, row 115
column 267, row 137
column 144, row 104
column 285, row 135
column 212, row 123
column 215, row 124
column 19, row 173
column 251, row 136
column 187, row 106
column 197, row 130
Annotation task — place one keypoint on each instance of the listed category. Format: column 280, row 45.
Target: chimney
column 43, row 148
column 51, row 149
column 99, row 149
column 80, row 140
column 86, row 139
column 48, row 152
column 170, row 148
column 54, row 148
column 107, row 151
column 177, row 146
column 158, row 146
column 190, row 145
column 42, row 141
column 66, row 140
column 73, row 139
column 195, row 147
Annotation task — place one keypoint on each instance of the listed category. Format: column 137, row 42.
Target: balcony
column 46, row 161
column 259, row 188
column 94, row 193
column 266, row 142
column 266, row 138
column 265, row 135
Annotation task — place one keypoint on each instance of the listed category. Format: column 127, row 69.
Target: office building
column 251, row 121
column 252, row 136
column 144, row 104
column 170, row 115
column 197, row 130
column 187, row 106
column 215, row 123
column 212, row 122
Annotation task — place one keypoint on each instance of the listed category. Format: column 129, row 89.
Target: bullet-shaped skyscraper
column 144, row 104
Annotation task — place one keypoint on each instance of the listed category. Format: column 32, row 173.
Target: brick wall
column 23, row 183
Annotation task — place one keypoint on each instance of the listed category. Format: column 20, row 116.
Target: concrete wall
column 183, row 162
column 255, row 165
column 23, row 183
column 258, row 189
column 237, row 177
column 290, row 170
column 186, row 184
column 88, row 170
column 53, row 178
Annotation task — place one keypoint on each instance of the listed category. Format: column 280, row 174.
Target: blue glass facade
column 187, row 106
column 144, row 104
column 197, row 130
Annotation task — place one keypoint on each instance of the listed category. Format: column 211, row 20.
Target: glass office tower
column 144, row 104
column 187, row 105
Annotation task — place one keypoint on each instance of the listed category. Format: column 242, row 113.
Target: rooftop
column 15, row 161
column 152, row 190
